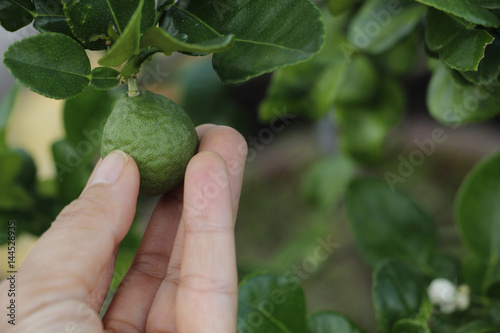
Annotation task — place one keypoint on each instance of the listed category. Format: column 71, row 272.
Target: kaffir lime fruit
column 158, row 135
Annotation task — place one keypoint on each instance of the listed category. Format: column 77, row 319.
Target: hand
column 183, row 277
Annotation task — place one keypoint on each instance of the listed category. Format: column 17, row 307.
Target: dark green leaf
column 15, row 14
column 491, row 4
column 382, row 23
column 127, row 44
column 457, row 105
column 478, row 326
column 50, row 17
column 271, row 303
column 478, row 214
column 410, row 326
column 363, row 128
column 388, row 224
column 331, row 322
column 489, row 67
column 465, row 51
column 269, row 34
column 27, row 174
column 50, row 64
column 73, row 169
column 397, row 293
column 6, row 108
column 466, row 9
column 90, row 19
column 104, row 78
column 400, row 59
column 159, row 38
column 84, row 118
column 440, row 29
column 338, row 7
column 326, row 181
column 12, row 195
column 446, row 266
column 164, row 4
column 474, row 271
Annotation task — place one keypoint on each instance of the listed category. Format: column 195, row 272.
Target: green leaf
column 440, row 29
column 469, row 10
column 491, row 4
column 6, row 107
column 360, row 81
column 73, row 169
column 50, row 17
column 489, row 67
column 15, row 14
column 478, row 326
column 363, row 128
column 271, row 303
column 12, row 195
column 388, row 224
column 331, row 322
column 90, row 19
column 127, row 44
column 164, row 4
column 465, row 51
column 325, row 182
column 269, row 34
column 84, row 118
column 380, row 24
column 457, row 105
column 168, row 44
column 410, row 326
column 397, row 293
column 401, row 58
column 104, row 78
column 50, row 64
column 478, row 214
column 339, row 7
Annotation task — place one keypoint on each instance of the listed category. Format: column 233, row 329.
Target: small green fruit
column 158, row 135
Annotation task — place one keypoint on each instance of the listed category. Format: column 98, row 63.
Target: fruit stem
column 133, row 88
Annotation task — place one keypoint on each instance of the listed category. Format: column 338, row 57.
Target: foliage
column 344, row 66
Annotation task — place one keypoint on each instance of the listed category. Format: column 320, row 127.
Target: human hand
column 183, row 277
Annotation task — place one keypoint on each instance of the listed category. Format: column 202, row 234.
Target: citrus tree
column 340, row 60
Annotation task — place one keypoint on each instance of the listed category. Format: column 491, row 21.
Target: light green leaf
column 339, row 7
column 397, row 293
column 168, row 44
column 331, row 322
column 50, row 64
column 478, row 213
column 457, row 105
column 380, row 24
column 127, row 44
column 466, row 9
column 104, row 78
column 388, row 224
column 50, row 17
column 6, row 107
column 276, row 302
column 15, row 14
column 90, row 19
column 360, row 81
column 325, row 182
column 269, row 34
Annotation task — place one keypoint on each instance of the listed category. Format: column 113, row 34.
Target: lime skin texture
column 159, row 136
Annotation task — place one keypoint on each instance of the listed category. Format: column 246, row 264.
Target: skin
column 183, row 277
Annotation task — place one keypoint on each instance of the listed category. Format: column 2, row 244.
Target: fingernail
column 110, row 169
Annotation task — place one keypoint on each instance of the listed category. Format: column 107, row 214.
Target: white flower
column 447, row 297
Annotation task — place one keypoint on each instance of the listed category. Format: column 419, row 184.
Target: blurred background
column 298, row 165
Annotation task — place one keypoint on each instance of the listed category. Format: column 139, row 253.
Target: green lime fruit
column 159, row 136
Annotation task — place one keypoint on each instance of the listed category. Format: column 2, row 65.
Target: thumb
column 69, row 258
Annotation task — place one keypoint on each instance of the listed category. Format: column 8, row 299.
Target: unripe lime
column 158, row 135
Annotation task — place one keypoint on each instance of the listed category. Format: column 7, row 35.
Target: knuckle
column 151, row 264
